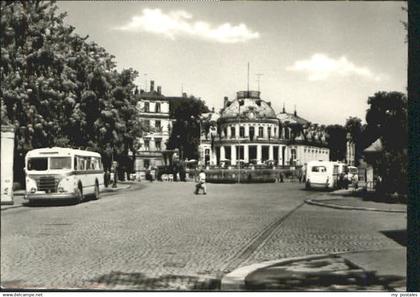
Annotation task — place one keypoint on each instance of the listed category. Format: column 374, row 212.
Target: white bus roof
column 50, row 151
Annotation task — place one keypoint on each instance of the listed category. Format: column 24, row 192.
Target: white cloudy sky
column 326, row 57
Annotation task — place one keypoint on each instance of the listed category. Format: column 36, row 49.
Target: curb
column 12, row 206
column 336, row 206
column 235, row 280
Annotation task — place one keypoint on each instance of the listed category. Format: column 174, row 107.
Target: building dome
column 252, row 107
column 291, row 118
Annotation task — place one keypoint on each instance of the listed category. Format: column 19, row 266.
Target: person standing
column 201, row 183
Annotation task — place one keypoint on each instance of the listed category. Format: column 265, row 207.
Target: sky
column 325, row 58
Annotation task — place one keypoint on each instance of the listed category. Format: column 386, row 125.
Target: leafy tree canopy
column 59, row 89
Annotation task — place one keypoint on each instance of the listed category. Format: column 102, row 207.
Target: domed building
column 248, row 130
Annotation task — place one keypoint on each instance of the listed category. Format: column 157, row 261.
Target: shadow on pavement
column 138, row 281
column 399, row 236
column 325, row 274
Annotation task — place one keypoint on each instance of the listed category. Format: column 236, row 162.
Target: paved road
column 164, row 237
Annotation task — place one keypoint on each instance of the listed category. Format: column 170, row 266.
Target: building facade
column 248, row 130
column 153, row 110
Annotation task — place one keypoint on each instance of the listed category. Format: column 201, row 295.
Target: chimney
column 225, row 101
column 295, row 113
column 284, row 108
column 152, row 85
column 159, row 90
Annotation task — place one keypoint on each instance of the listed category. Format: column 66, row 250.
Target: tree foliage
column 59, row 89
column 354, row 128
column 185, row 133
column 387, row 119
column 336, row 139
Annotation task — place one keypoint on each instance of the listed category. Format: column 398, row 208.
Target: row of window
column 87, row 163
column 157, row 126
column 158, row 144
column 147, row 107
column 316, row 151
column 251, row 132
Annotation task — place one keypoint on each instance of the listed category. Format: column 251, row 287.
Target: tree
column 354, row 128
column 387, row 119
column 58, row 89
column 336, row 139
column 185, row 133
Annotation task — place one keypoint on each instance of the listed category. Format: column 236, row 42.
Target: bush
column 246, row 175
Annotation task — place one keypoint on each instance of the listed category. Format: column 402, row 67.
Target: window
column 228, row 152
column 318, row 169
column 39, row 164
column 80, row 163
column 146, row 145
column 95, row 163
column 241, row 131
column 239, row 152
column 147, row 124
column 146, row 163
column 157, row 107
column 293, row 153
column 60, row 163
column 251, row 133
column 146, row 106
column 275, row 131
column 286, row 133
column 260, row 131
column 232, row 132
column 158, row 125
column 225, row 132
column 269, row 132
column 158, row 143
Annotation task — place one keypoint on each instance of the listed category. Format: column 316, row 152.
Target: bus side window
column 87, row 163
column 80, row 163
column 94, row 163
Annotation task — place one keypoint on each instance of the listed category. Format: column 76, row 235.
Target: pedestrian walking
column 201, row 183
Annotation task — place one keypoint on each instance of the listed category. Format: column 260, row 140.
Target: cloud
column 180, row 22
column 321, row 67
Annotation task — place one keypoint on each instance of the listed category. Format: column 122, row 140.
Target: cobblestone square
column 164, row 237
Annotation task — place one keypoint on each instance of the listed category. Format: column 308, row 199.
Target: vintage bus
column 63, row 173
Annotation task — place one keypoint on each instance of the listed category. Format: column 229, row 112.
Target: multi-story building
column 153, row 109
column 247, row 129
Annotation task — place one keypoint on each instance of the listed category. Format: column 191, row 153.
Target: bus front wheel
column 96, row 193
column 79, row 194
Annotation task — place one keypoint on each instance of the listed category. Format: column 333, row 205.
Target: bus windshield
column 39, row 164
column 60, row 163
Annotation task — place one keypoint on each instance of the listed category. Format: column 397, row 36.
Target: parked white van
column 323, row 174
